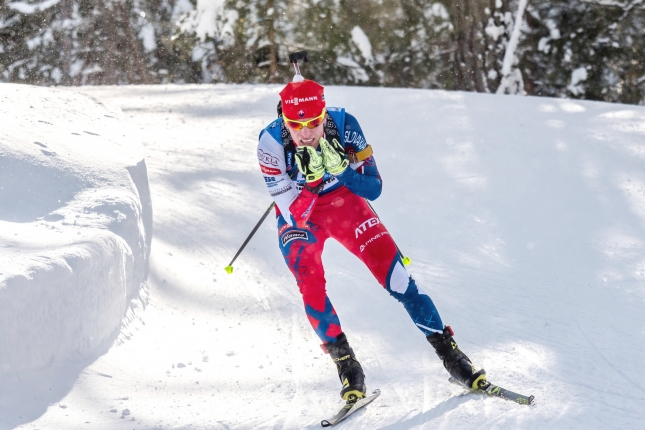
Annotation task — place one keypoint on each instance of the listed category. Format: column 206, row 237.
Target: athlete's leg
column 367, row 238
column 302, row 251
column 362, row 233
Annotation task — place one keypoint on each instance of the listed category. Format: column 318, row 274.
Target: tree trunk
column 66, row 42
column 468, row 56
column 133, row 44
column 273, row 57
column 109, row 60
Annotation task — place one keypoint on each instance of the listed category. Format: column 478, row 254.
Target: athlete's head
column 303, row 111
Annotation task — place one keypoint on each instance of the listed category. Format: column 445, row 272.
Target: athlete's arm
column 363, row 178
column 365, row 181
column 295, row 207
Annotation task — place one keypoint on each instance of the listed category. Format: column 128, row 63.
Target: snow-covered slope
column 524, row 219
column 75, row 227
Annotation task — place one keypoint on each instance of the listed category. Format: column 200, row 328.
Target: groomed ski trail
column 516, row 212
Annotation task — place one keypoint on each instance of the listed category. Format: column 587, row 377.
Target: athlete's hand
column 334, row 156
column 310, row 163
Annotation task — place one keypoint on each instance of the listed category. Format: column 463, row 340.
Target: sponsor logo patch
column 273, row 182
column 270, row 170
column 267, row 158
column 294, row 235
column 295, row 100
column 356, row 139
column 373, row 239
column 365, row 225
column 281, row 191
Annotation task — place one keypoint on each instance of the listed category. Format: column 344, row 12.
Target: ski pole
column 406, row 260
column 229, row 268
column 293, row 58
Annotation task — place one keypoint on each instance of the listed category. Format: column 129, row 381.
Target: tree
column 252, row 52
column 76, row 42
column 589, row 49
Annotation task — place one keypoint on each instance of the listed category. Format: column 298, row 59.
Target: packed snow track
column 524, row 219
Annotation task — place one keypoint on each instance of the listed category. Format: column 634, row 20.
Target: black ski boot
column 455, row 361
column 349, row 369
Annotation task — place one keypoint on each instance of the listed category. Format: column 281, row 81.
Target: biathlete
column 319, row 169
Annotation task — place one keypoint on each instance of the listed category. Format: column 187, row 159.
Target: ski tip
column 325, row 423
column 531, row 400
column 229, row 269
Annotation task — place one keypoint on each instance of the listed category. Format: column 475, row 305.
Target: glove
column 310, row 163
column 334, row 156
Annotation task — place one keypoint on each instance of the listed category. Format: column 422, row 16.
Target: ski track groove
column 295, row 405
column 497, row 417
column 603, row 357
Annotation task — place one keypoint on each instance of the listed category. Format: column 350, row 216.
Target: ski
column 497, row 391
column 350, row 407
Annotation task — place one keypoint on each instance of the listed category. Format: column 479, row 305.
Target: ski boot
column 349, row 369
column 455, row 361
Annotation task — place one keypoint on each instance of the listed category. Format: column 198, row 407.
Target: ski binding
column 350, row 407
column 497, row 391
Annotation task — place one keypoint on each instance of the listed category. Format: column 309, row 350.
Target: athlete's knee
column 407, row 293
column 313, row 289
column 308, row 289
column 398, row 280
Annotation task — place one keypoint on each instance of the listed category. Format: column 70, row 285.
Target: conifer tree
column 593, row 49
column 322, row 28
column 256, row 49
column 75, row 42
column 586, row 49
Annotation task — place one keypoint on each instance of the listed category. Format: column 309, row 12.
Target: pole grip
column 300, row 55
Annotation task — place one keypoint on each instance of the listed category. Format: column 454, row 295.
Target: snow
column 29, row 8
column 147, row 35
column 203, row 19
column 359, row 74
column 75, row 227
column 524, row 219
column 436, row 10
column 363, row 43
column 494, row 31
column 578, row 76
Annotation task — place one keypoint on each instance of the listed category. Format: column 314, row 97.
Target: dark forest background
column 589, row 49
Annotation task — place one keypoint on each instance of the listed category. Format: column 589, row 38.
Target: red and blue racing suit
column 306, row 220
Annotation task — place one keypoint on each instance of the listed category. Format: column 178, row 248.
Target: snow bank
column 75, row 225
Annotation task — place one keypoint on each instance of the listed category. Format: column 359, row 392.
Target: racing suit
column 339, row 211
